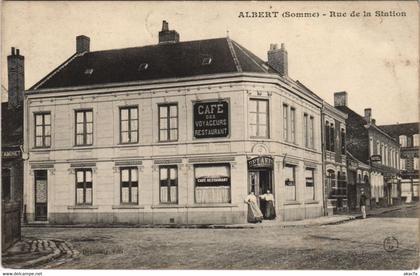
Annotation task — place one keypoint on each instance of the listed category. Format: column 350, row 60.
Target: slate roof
column 177, row 60
column 396, row 130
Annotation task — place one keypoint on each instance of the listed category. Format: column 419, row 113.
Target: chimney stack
column 340, row 98
column 368, row 115
column 167, row 36
column 82, row 44
column 277, row 59
column 16, row 78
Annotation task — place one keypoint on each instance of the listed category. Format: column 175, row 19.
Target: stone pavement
column 31, row 253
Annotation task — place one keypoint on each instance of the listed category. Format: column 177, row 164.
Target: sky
column 374, row 59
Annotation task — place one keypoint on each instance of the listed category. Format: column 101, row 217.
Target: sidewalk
column 326, row 220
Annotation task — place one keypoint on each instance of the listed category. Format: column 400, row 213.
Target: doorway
column 260, row 181
column 41, row 196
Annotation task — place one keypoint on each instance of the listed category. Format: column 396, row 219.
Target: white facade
column 107, row 156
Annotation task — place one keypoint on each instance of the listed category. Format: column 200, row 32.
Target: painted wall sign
column 11, row 152
column 211, row 119
column 261, row 162
column 376, row 158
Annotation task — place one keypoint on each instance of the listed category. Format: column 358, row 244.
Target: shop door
column 41, row 198
column 259, row 183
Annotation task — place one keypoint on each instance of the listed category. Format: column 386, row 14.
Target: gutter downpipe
column 324, row 197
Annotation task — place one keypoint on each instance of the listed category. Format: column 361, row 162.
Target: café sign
column 211, row 119
column 261, row 162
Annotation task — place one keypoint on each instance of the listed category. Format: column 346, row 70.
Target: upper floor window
column 292, row 125
column 343, row 141
column 332, row 137
column 370, row 146
column 416, row 138
column 378, row 148
column 403, row 165
column 258, row 118
column 84, row 127
column 327, row 135
column 308, row 122
column 42, row 130
column 168, row 122
column 129, row 125
column 403, row 140
column 416, row 163
column 285, row 122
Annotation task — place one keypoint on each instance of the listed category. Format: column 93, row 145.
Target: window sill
column 311, row 201
column 167, row 206
column 82, row 207
column 292, row 203
column 127, row 207
column 83, row 147
column 214, row 205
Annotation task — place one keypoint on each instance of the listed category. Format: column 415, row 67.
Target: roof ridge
column 251, row 58
column 55, row 71
column 233, row 53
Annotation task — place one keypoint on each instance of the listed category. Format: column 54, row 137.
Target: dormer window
column 143, row 66
column 88, row 71
column 206, row 61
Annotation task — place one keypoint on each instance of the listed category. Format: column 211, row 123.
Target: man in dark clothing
column 363, row 203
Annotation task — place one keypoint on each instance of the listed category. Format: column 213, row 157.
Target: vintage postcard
column 209, row 135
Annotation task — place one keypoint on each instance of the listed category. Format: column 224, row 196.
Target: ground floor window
column 5, row 184
column 290, row 182
column 168, row 176
column 212, row 183
column 84, row 186
column 129, row 185
column 310, row 184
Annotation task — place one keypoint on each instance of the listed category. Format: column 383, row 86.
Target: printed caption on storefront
column 316, row 14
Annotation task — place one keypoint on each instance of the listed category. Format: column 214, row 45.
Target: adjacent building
column 11, row 149
column 334, row 157
column 370, row 145
column 177, row 132
column 408, row 136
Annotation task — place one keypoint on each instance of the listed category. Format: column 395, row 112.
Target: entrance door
column 41, row 198
column 259, row 183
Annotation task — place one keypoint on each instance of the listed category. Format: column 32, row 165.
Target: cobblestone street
column 356, row 244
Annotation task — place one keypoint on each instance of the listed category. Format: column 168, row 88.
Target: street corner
column 36, row 253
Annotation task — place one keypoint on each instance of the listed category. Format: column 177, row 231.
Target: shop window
column 212, row 183
column 310, row 184
column 168, row 122
column 168, row 176
column 84, row 186
column 5, row 184
column 258, row 118
column 84, row 127
column 290, row 182
column 129, row 125
column 129, row 185
column 42, row 130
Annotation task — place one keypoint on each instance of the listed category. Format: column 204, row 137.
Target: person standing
column 269, row 211
column 363, row 203
column 254, row 212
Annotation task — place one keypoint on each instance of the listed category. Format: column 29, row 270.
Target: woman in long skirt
column 269, row 210
column 254, row 213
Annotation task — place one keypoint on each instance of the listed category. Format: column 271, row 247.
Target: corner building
column 178, row 132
